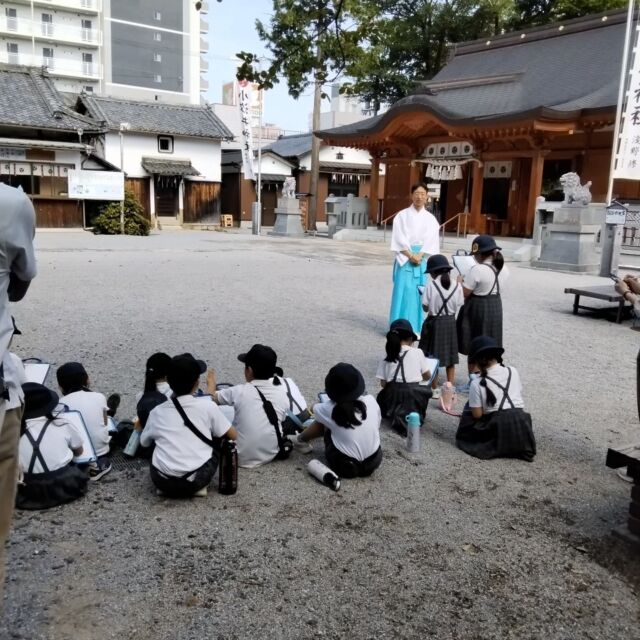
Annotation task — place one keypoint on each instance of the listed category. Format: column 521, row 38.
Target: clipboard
column 35, row 370
column 434, row 365
column 75, row 418
column 463, row 263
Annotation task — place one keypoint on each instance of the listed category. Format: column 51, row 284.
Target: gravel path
column 439, row 545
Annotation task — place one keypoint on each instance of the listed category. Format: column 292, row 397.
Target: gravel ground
column 435, row 545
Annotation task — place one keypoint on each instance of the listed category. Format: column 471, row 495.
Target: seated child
column 260, row 407
column 77, row 396
column 495, row 424
column 400, row 374
column 349, row 422
column 47, row 446
column 298, row 412
column 186, row 432
column 156, row 388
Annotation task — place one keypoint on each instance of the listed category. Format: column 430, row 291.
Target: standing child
column 400, row 374
column 481, row 314
column 495, row 424
column 77, row 396
column 349, row 422
column 441, row 300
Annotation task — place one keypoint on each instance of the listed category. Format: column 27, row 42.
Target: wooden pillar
column 476, row 221
column 373, row 190
column 535, row 187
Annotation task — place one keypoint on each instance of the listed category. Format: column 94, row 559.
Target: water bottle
column 413, row 432
column 324, row 474
column 228, row 470
column 133, row 444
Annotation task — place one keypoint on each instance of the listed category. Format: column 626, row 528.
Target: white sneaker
column 300, row 445
column 436, row 393
column 202, row 493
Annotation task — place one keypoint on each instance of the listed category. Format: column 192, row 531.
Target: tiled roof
column 291, row 146
column 28, row 98
column 166, row 167
column 156, row 117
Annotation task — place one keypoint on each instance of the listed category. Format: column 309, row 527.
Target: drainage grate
column 120, row 461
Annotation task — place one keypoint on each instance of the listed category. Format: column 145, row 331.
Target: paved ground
column 441, row 545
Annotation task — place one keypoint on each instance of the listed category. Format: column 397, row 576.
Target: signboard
column 11, row 153
column 96, row 185
column 616, row 213
column 244, row 102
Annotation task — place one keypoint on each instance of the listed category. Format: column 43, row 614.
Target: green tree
column 107, row 222
column 533, row 13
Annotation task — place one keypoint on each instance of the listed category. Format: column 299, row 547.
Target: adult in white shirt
column 415, row 237
column 47, row 446
column 185, row 431
column 494, row 424
column 259, row 439
column 349, row 422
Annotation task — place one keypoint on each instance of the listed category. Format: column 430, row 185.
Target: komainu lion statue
column 289, row 188
column 574, row 192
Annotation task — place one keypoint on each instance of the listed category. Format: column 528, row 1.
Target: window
column 87, row 33
column 165, row 144
column 87, row 63
column 12, row 19
column 47, row 24
column 12, row 53
column 47, row 57
column 88, row 88
column 157, row 36
column 157, row 78
column 157, row 57
column 157, row 15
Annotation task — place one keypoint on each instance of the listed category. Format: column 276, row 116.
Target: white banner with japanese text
column 244, row 102
column 627, row 163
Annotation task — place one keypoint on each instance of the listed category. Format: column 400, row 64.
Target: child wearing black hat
column 400, row 373
column 73, row 381
column 48, row 444
column 260, row 407
column 349, row 422
column 442, row 299
column 481, row 314
column 495, row 424
column 186, row 433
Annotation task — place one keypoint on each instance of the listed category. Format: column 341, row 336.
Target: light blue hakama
column 406, row 301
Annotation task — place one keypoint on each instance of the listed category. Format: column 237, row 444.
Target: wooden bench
column 629, row 457
column 601, row 292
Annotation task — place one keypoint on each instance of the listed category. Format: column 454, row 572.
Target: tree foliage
column 107, row 222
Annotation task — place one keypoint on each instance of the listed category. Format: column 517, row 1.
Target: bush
column 135, row 224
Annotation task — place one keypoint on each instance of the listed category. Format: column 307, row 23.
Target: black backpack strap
column 292, row 400
column 35, row 444
column 192, row 427
column 505, row 390
column 399, row 368
column 273, row 419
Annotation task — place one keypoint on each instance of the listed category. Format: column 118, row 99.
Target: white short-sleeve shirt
column 414, row 364
column 92, row 406
column 299, row 403
column 361, row 441
column 257, row 440
column 478, row 394
column 56, row 445
column 481, row 279
column 161, row 387
column 434, row 299
column 179, row 451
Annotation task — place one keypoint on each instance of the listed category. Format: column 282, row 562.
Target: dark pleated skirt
column 502, row 434
column 398, row 399
column 46, row 490
column 439, row 339
column 480, row 316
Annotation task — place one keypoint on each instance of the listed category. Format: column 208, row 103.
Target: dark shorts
column 347, row 467
column 180, row 486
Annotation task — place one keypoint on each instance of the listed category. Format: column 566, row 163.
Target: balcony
column 204, row 85
column 55, row 66
column 50, row 31
column 204, row 65
column 204, row 26
column 204, row 45
column 80, row 6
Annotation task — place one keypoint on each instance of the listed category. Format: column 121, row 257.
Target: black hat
column 261, row 359
column 159, row 364
column 344, row 382
column 484, row 346
column 402, row 326
column 71, row 375
column 16, row 331
column 39, row 400
column 184, row 372
column 483, row 244
column 187, row 357
column 438, row 262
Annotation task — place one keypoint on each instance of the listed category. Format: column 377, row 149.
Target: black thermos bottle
column 228, row 472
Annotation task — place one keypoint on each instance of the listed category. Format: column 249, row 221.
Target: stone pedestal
column 569, row 243
column 288, row 218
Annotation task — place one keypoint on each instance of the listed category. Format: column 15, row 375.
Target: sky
column 232, row 29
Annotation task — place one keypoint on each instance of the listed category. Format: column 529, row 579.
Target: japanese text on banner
column 244, row 100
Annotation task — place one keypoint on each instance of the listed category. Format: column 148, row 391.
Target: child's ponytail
column 394, row 343
column 483, row 364
column 344, row 413
column 445, row 279
column 498, row 260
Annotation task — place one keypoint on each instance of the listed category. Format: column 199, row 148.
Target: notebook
column 463, row 264
column 36, row 370
column 75, row 418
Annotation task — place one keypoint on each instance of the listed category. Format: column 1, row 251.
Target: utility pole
column 315, row 141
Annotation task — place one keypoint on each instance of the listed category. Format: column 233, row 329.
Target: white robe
column 412, row 227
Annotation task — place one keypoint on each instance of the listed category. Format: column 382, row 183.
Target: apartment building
column 135, row 49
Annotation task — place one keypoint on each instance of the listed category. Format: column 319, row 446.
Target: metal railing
column 62, row 31
column 462, row 216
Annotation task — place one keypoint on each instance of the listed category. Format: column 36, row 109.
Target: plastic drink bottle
column 324, row 474
column 228, row 471
column 133, row 444
column 413, row 432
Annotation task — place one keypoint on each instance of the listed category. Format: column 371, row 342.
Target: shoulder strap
column 292, row 400
column 187, row 423
column 37, row 454
column 399, row 368
column 496, row 283
column 444, row 306
column 272, row 417
column 505, row 390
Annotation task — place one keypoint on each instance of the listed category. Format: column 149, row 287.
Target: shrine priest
column 415, row 237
